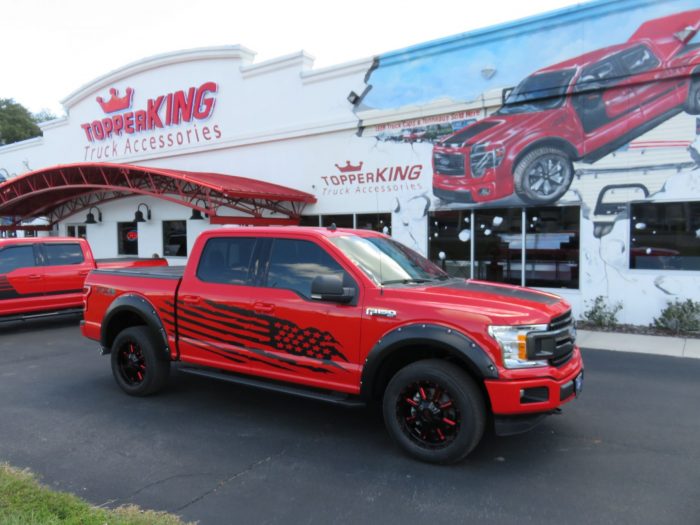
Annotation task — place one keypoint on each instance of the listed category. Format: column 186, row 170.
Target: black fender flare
column 457, row 344
column 139, row 306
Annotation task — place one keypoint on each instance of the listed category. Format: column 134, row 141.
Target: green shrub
column 680, row 316
column 600, row 314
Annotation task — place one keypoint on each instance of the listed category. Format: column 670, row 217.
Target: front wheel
column 434, row 411
column 543, row 175
column 136, row 365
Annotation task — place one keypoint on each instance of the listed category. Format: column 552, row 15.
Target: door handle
column 34, row 276
column 263, row 308
column 83, row 273
column 191, row 299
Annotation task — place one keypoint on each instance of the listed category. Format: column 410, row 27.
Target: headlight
column 513, row 343
column 485, row 155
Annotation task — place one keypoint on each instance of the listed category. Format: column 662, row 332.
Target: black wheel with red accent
column 434, row 411
column 136, row 365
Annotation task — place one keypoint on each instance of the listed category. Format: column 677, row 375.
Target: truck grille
column 556, row 345
column 448, row 163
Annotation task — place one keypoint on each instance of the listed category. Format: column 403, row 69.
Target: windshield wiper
column 407, row 281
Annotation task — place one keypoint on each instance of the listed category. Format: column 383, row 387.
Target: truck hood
column 499, row 304
column 501, row 128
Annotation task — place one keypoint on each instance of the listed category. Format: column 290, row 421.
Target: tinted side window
column 638, row 60
column 14, row 257
column 227, row 260
column 62, row 254
column 294, row 264
column 602, row 75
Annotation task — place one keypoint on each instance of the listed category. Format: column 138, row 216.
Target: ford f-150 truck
column 345, row 316
column 578, row 110
column 43, row 276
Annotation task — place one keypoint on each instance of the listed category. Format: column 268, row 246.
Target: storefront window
column 379, row 222
column 450, row 240
column 175, row 238
column 341, row 221
column 498, row 245
column 552, row 247
column 665, row 236
column 128, row 237
column 77, row 230
column 310, row 220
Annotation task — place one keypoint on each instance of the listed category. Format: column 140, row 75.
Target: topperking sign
column 164, row 122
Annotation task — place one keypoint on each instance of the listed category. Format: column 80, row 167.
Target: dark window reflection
column 665, row 236
column 498, row 245
column 62, row 254
column 341, row 221
column 294, row 264
column 15, row 257
column 449, row 238
column 379, row 222
column 309, row 220
column 175, row 238
column 552, row 247
column 128, row 238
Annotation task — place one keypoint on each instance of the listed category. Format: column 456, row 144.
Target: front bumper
column 535, row 395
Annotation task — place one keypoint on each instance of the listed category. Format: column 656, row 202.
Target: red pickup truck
column 344, row 316
column 43, row 276
column 578, row 110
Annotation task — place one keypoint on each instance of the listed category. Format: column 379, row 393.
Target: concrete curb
column 642, row 344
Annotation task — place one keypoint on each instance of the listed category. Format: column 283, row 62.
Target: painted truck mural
column 585, row 120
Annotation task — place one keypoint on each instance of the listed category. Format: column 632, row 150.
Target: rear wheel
column 434, row 411
column 136, row 365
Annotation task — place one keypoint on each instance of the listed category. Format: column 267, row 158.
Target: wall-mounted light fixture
column 90, row 219
column 138, row 216
column 196, row 214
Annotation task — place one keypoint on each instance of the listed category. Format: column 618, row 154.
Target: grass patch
column 24, row 501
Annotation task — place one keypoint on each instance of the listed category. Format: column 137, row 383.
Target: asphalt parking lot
column 625, row 452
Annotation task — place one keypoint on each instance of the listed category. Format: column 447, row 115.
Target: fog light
column 484, row 191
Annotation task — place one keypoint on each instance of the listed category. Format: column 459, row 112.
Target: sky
column 52, row 48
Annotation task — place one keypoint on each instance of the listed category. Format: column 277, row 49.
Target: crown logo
column 349, row 167
column 116, row 103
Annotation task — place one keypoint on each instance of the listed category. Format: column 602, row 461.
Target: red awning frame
column 62, row 191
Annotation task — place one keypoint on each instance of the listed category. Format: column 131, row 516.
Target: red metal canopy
column 64, row 190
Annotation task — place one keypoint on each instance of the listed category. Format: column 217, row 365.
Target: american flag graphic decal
column 216, row 327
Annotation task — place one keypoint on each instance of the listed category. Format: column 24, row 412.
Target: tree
column 43, row 116
column 16, row 122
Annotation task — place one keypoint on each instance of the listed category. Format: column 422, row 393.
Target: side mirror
column 505, row 94
column 330, row 288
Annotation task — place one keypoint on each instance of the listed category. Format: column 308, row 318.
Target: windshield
column 386, row 261
column 538, row 93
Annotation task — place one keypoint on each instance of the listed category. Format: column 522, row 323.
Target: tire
column 434, row 411
column 543, row 176
column 137, row 367
column 692, row 105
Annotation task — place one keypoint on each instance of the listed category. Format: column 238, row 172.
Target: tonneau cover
column 154, row 272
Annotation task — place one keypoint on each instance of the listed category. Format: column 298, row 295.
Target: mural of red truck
column 577, row 110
